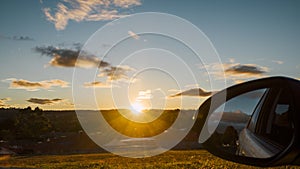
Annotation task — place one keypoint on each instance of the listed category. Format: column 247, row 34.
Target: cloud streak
column 17, row 38
column 236, row 72
column 96, row 84
column 22, row 38
column 279, row 62
column 3, row 102
column 126, row 3
column 198, row 92
column 82, row 10
column 133, row 35
column 144, row 95
column 36, row 85
column 115, row 72
column 70, row 57
column 44, row 101
column 246, row 69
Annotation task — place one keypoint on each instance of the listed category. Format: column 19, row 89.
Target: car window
column 253, row 121
column 279, row 126
column 270, row 128
column 237, row 111
column 232, row 117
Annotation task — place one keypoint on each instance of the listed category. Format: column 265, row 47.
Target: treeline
column 35, row 124
column 39, row 125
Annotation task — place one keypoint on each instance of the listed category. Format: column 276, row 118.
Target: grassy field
column 171, row 159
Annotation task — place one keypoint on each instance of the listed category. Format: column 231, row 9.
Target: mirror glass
column 254, row 124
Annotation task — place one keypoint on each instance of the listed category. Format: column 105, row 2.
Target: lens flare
column 137, row 108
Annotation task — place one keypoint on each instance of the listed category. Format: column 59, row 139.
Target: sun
column 137, row 108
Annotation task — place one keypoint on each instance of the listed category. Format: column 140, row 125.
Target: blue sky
column 253, row 39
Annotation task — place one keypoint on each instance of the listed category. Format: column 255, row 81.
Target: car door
column 270, row 128
column 270, row 136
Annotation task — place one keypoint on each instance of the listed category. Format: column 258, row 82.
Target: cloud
column 57, row 82
column 33, row 86
column 44, row 101
column 144, row 95
column 82, row 10
column 3, row 102
column 115, row 72
column 22, row 38
column 235, row 72
column 133, row 35
column 17, row 38
column 193, row 92
column 279, row 62
column 127, row 3
column 96, row 84
column 231, row 60
column 69, row 57
column 238, row 81
column 246, row 69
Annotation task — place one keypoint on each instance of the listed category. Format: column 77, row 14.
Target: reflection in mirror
column 274, row 129
column 255, row 124
column 230, row 122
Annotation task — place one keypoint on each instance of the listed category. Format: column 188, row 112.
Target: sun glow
column 137, row 108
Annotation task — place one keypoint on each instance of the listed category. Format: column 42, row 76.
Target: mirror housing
column 289, row 155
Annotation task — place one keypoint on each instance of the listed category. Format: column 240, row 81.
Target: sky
column 41, row 40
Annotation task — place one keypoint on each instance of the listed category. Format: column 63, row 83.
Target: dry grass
column 172, row 159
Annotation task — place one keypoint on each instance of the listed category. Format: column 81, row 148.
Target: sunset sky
column 40, row 40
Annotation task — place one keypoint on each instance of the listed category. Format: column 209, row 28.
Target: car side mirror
column 257, row 124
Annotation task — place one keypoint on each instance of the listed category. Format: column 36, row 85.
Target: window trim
column 257, row 111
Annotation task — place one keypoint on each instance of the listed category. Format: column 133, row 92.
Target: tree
column 31, row 125
column 6, row 135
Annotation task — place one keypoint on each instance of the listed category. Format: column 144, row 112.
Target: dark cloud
column 25, row 84
column 246, row 69
column 44, row 101
column 32, row 86
column 24, row 38
column 18, row 38
column 69, row 57
column 193, row 92
column 116, row 72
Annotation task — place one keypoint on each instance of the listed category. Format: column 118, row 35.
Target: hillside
column 27, row 131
